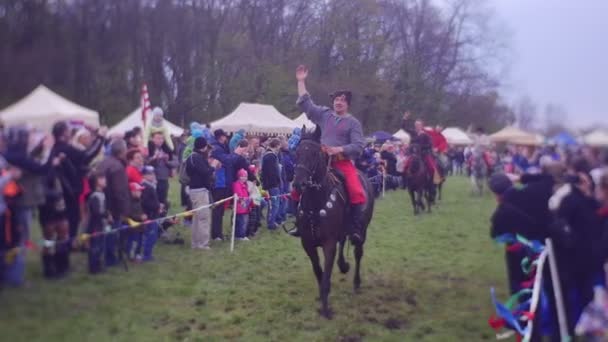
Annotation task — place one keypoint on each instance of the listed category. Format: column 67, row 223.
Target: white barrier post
column 236, row 198
column 557, row 289
column 383, row 182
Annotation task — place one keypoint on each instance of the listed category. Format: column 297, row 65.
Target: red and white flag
column 145, row 104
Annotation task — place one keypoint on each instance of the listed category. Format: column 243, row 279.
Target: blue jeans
column 15, row 273
column 150, row 237
column 134, row 239
column 111, row 241
column 273, row 211
column 284, row 203
column 241, row 225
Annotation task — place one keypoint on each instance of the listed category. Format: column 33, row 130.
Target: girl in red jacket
column 239, row 188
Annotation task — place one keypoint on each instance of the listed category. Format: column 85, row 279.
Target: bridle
column 311, row 171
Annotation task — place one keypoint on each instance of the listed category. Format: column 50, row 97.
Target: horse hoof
column 344, row 268
column 327, row 314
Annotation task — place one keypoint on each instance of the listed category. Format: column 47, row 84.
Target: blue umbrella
column 382, row 136
column 564, row 139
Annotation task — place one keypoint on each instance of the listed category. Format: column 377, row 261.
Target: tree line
column 200, row 58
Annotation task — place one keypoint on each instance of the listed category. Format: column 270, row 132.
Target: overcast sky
column 560, row 55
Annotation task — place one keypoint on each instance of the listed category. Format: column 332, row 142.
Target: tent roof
column 456, row 136
column 302, row 120
column 517, row 136
column 597, row 138
column 134, row 119
column 402, row 135
column 256, row 118
column 42, row 108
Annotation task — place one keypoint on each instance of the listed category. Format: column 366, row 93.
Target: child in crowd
column 256, row 202
column 9, row 227
column 152, row 209
column 242, row 206
column 136, row 213
column 97, row 220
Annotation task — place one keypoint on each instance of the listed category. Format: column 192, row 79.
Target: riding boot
column 48, row 266
column 357, row 237
column 295, row 232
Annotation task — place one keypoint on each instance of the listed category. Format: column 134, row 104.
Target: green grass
column 425, row 278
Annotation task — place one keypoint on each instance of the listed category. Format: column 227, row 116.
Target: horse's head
column 311, row 160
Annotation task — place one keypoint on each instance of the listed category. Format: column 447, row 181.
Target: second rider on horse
column 343, row 140
column 424, row 141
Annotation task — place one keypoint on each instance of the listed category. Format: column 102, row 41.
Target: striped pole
column 145, row 104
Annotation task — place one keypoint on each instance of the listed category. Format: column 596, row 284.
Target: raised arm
column 313, row 112
column 408, row 124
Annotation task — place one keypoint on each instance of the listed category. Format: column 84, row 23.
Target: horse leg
column 414, row 201
column 329, row 250
column 358, row 256
column 342, row 264
column 314, row 260
column 429, row 198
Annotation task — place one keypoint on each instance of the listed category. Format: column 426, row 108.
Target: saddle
column 341, row 186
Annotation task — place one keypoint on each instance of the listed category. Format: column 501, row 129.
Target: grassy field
column 425, row 278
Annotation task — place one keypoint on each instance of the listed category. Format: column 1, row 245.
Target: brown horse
column 323, row 215
column 419, row 181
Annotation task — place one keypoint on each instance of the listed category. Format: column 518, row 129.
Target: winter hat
column 135, row 187
column 241, row 173
column 499, row 183
column 157, row 111
column 200, row 143
column 148, row 170
column 219, row 133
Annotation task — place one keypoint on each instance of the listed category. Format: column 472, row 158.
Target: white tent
column 134, row 119
column 402, row 135
column 256, row 118
column 514, row 135
column 302, row 120
column 597, row 138
column 456, row 136
column 42, row 108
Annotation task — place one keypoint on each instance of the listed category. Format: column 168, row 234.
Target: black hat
column 59, row 129
column 200, row 143
column 347, row 94
column 499, row 183
column 218, row 133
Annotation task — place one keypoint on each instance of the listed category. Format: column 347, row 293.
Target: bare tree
column 526, row 111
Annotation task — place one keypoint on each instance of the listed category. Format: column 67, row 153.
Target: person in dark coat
column 152, row 208
column 74, row 169
column 117, row 192
column 98, row 219
column 580, row 259
column 200, row 171
column 223, row 181
column 271, row 180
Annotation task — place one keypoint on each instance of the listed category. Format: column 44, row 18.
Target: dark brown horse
column 323, row 215
column 419, row 181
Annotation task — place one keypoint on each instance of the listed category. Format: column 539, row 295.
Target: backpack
column 184, row 178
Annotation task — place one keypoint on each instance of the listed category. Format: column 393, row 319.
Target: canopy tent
column 42, row 108
column 564, row 139
column 402, row 135
column 382, row 136
column 597, row 138
column 303, row 120
column 514, row 135
column 134, row 119
column 256, row 119
column 456, row 136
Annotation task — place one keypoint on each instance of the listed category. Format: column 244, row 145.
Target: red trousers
column 351, row 177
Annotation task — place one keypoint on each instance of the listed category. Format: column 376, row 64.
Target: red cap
column 135, row 187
